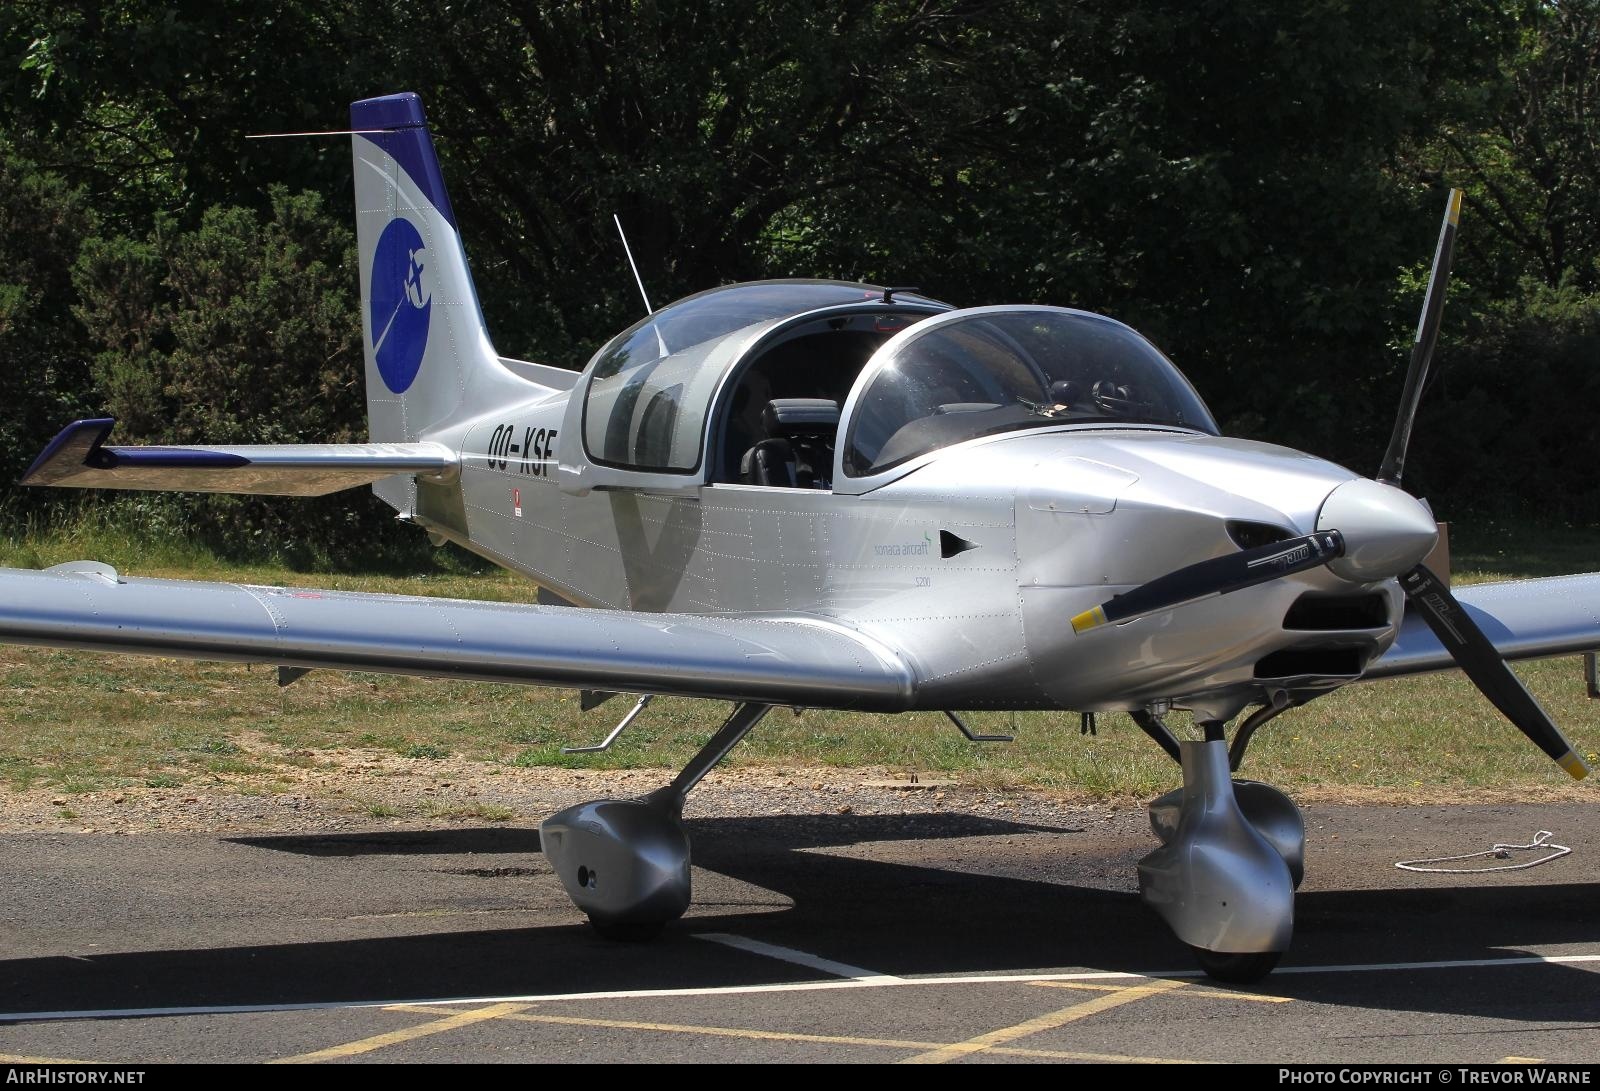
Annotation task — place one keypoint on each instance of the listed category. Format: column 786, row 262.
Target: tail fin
column 424, row 335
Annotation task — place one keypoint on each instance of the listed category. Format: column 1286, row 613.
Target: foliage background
column 1256, row 184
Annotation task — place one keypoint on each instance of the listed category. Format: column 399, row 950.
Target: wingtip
column 73, row 448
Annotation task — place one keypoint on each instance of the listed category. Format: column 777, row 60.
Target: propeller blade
column 1481, row 662
column 1217, row 576
column 1394, row 459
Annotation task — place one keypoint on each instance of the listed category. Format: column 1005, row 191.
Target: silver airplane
column 839, row 496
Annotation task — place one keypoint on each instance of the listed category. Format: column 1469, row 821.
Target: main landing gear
column 1232, row 854
column 1232, row 851
column 625, row 862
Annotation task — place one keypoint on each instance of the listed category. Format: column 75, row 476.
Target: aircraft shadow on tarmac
column 787, row 832
column 892, row 916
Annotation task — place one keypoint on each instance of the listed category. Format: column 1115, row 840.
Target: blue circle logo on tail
column 402, row 296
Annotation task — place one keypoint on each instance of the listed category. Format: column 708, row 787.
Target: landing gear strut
column 1232, row 854
column 625, row 862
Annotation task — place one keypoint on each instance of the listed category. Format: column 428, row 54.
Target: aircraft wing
column 1524, row 619
column 771, row 660
column 80, row 458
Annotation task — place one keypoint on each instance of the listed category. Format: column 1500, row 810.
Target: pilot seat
column 797, row 452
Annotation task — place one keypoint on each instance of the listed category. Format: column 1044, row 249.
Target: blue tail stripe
column 171, row 457
column 402, row 111
column 407, row 142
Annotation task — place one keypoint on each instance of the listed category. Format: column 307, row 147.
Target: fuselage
column 970, row 558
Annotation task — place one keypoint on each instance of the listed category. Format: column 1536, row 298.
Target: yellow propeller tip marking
column 1089, row 619
column 1573, row 765
column 1455, row 207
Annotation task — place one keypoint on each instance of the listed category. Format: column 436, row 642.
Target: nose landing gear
column 1232, row 855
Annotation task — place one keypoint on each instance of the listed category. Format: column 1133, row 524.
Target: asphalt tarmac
column 833, row 937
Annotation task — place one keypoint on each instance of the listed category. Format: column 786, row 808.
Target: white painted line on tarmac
column 1450, row 964
column 799, row 958
column 881, row 982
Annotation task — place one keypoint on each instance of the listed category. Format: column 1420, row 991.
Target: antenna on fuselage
column 626, row 249
column 639, row 280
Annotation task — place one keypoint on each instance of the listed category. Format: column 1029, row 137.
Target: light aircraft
column 840, row 496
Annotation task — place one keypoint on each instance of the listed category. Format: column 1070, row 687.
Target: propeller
column 1367, row 531
column 1218, row 576
column 1443, row 612
column 1481, row 662
column 1370, row 530
column 1394, row 459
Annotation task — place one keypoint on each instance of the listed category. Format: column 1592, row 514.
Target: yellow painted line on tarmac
column 406, row 1034
column 1049, row 1021
column 1103, row 1058
column 681, row 1028
column 1213, row 994
column 8, row 1058
column 1521, row 1060
column 752, row 1034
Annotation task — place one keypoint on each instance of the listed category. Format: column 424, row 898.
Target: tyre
column 1237, row 969
column 630, row 933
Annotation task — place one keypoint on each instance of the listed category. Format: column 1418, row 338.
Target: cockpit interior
column 782, row 416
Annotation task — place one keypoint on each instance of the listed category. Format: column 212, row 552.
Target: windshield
column 1003, row 369
column 650, row 389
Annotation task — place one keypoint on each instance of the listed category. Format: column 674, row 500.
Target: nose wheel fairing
column 1231, row 857
column 1273, row 815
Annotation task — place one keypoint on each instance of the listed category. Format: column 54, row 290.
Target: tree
column 44, row 370
column 243, row 330
column 146, row 106
column 1529, row 153
column 1516, row 368
column 1242, row 181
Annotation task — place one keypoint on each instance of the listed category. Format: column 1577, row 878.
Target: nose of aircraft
column 1386, row 531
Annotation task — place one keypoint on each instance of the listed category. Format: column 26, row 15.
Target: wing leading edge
column 1524, row 619
column 800, row 661
column 772, row 660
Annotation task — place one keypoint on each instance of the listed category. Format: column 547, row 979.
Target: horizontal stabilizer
column 79, row 458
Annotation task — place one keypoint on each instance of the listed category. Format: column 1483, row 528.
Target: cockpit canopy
column 979, row 372
column 650, row 389
column 827, row 384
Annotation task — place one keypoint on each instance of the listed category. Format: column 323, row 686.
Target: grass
column 76, row 722
column 176, row 558
column 487, row 812
column 1500, row 549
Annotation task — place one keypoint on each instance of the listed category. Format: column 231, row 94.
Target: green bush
column 44, row 370
column 1510, row 424
column 243, row 330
